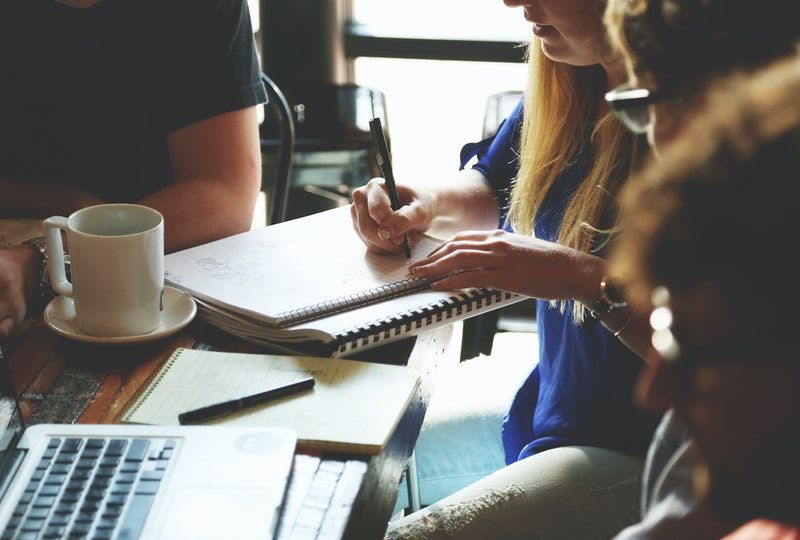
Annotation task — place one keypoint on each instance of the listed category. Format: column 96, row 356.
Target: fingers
column 469, row 259
column 367, row 231
column 365, row 225
column 380, row 228
column 467, row 280
column 462, row 247
column 475, row 238
column 392, row 224
column 448, row 248
column 459, row 260
column 411, row 217
column 379, row 204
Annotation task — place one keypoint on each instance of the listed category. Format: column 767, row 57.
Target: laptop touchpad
column 217, row 512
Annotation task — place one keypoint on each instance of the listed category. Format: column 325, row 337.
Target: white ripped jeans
column 573, row 492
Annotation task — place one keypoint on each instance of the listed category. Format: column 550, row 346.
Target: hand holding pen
column 385, row 163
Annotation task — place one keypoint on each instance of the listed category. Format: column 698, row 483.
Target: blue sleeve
column 498, row 156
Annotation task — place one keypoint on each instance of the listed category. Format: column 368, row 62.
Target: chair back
column 333, row 149
column 279, row 201
column 499, row 106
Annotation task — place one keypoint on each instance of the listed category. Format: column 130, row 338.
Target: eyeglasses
column 631, row 106
column 663, row 340
column 687, row 357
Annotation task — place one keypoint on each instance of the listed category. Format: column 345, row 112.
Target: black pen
column 228, row 407
column 385, row 163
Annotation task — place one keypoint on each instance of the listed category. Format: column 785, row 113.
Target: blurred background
column 439, row 74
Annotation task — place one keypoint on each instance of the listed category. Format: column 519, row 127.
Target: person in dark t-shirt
column 146, row 101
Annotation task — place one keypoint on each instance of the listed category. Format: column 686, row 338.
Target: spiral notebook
column 310, row 285
column 353, row 407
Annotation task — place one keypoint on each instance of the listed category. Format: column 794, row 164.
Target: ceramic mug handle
column 55, row 254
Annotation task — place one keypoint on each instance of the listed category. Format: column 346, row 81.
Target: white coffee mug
column 116, row 265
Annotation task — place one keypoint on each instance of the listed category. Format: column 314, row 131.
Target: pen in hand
column 234, row 405
column 385, row 163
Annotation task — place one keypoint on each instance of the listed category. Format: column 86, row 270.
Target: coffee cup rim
column 76, row 214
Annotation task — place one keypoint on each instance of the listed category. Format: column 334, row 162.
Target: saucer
column 179, row 310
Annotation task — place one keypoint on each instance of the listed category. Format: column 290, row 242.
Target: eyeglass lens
column 636, row 119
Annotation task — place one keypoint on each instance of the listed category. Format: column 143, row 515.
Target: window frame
column 359, row 41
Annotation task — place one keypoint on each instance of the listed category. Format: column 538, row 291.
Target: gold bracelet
column 624, row 325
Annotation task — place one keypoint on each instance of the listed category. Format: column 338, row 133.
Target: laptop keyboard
column 95, row 488
column 319, row 498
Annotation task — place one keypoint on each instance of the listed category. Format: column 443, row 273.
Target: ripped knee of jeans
column 451, row 519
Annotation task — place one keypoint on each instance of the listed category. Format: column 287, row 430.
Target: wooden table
column 61, row 381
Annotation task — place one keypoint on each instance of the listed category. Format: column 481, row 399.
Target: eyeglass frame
column 624, row 97
column 669, row 348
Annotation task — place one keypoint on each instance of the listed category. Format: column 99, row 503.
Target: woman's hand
column 511, row 262
column 380, row 228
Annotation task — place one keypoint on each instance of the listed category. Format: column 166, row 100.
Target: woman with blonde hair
column 573, row 438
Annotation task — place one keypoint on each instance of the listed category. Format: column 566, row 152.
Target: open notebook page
column 304, row 262
column 353, row 406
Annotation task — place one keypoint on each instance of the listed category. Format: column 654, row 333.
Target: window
column 487, row 20
column 434, row 106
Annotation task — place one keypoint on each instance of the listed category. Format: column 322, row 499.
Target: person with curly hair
column 669, row 78
column 704, row 250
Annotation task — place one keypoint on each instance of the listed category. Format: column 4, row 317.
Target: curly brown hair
column 720, row 208
column 682, row 45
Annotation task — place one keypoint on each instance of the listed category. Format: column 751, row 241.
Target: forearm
column 216, row 165
column 634, row 330
column 37, row 198
column 466, row 202
column 631, row 328
column 200, row 210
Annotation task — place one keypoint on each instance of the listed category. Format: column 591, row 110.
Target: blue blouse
column 581, row 391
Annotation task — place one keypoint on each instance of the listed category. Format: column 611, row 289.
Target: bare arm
column 34, row 198
column 217, row 175
column 465, row 203
column 533, row 267
column 216, row 167
column 632, row 327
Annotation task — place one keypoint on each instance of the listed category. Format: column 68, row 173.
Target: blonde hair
column 560, row 119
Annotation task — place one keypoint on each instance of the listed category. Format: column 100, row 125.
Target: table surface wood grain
column 62, row 381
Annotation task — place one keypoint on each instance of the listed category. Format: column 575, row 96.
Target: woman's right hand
column 380, row 228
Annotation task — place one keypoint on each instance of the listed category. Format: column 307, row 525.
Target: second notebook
column 353, row 407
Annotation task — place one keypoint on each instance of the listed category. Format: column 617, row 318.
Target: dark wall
column 302, row 42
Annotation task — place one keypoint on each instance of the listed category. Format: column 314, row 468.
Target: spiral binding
column 415, row 319
column 344, row 303
column 147, row 388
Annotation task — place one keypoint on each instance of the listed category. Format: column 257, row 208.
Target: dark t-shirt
column 87, row 96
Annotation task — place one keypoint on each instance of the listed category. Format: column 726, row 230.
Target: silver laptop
column 127, row 482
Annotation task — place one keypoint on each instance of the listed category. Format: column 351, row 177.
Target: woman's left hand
column 509, row 262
